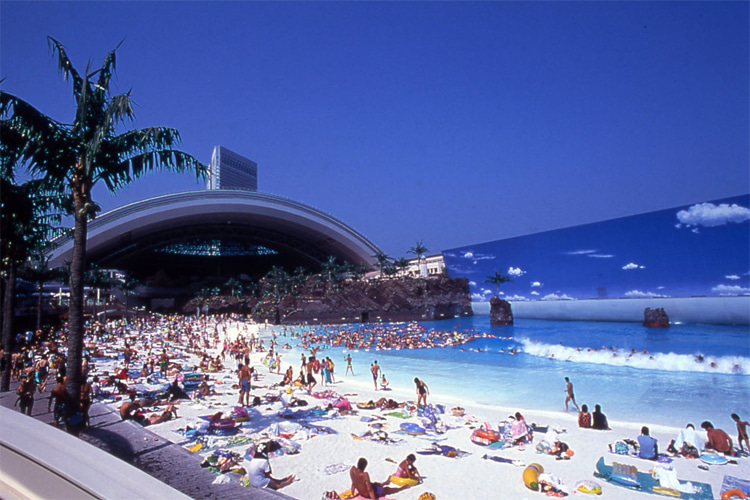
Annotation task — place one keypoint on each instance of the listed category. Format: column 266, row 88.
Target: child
column 407, row 470
column 384, row 383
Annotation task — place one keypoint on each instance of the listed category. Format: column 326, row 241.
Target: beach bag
column 619, row 447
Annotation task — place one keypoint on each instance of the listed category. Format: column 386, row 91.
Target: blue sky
column 447, row 122
column 696, row 250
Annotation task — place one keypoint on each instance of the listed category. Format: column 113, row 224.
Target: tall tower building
column 228, row 170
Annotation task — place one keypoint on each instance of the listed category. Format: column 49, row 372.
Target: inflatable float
column 413, row 429
column 403, row 481
column 589, row 487
column 531, row 476
column 714, row 459
column 485, row 435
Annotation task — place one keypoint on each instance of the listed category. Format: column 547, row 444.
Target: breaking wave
column 642, row 360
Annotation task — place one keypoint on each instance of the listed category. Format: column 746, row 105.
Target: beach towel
column 397, row 414
column 646, row 483
column 734, row 484
column 332, row 469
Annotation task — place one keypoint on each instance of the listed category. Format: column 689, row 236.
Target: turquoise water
column 689, row 373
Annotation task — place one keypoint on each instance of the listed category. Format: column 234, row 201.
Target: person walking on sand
column 375, row 370
column 741, row 433
column 349, row 364
column 570, row 396
column 422, row 392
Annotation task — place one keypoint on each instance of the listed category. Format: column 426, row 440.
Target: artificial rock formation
column 501, row 312
column 655, row 318
column 360, row 301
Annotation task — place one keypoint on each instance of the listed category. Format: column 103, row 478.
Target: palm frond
column 65, row 66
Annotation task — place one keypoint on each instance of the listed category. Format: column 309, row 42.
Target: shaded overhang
column 306, row 235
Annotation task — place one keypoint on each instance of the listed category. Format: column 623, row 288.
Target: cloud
column 536, row 284
column 516, row 298
column 472, row 283
column 535, row 293
column 710, row 215
column 580, row 252
column 600, row 256
column 637, row 294
column 730, row 290
column 554, row 296
column 732, row 277
column 516, row 272
column 632, row 265
column 477, row 256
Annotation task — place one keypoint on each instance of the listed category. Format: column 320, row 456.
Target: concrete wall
column 711, row 310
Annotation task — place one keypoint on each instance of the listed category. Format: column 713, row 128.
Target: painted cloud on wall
column 634, row 256
column 710, row 215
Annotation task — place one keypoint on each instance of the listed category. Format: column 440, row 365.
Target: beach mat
column 650, row 485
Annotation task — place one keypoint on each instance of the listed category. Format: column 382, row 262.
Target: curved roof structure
column 216, row 232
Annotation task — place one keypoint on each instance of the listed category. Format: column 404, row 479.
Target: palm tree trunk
column 76, row 327
column 9, row 340
column 40, row 290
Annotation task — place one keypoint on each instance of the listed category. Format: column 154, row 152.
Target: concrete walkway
column 148, row 452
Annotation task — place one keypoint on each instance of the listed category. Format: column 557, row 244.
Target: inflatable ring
column 733, row 493
column 403, row 481
column 531, row 476
column 713, row 459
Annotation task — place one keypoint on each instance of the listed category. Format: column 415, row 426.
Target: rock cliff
column 501, row 312
column 410, row 299
column 656, row 318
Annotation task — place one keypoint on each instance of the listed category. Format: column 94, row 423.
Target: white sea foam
column 646, row 361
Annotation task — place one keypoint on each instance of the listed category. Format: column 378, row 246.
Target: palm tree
column 128, row 283
column 418, row 250
column 331, row 269
column 384, row 263
column 77, row 156
column 38, row 271
column 25, row 223
column 234, row 286
column 402, row 264
column 498, row 279
column 278, row 280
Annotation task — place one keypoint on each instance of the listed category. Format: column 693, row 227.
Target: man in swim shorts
column 375, row 369
column 311, row 382
column 741, row 432
column 570, row 396
column 362, row 485
column 245, row 385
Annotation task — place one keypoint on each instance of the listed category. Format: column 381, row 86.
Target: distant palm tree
column 331, row 270
column 234, row 286
column 402, row 264
column 418, row 250
column 78, row 155
column 384, row 264
column 498, row 279
column 38, row 271
column 127, row 284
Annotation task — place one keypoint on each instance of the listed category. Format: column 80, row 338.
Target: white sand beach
column 468, row 477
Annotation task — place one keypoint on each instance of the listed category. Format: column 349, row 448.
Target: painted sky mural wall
column 698, row 250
